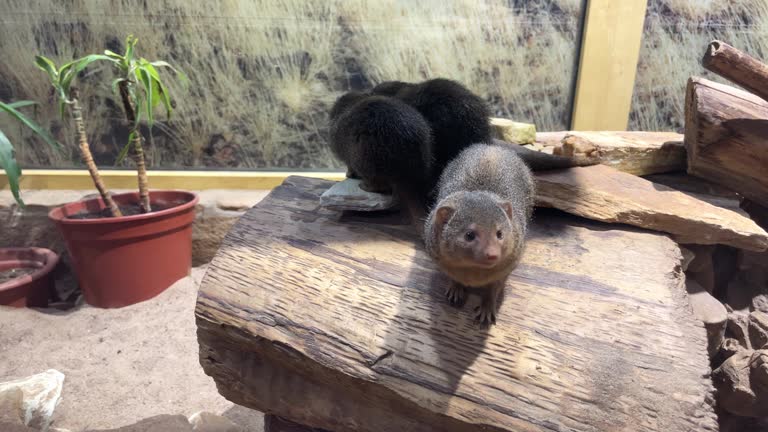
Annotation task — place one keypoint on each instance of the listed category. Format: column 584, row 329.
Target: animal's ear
column 443, row 214
column 507, row 207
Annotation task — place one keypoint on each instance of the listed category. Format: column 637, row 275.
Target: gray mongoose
column 476, row 230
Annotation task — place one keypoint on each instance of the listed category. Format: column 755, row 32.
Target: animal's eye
column 499, row 235
column 470, row 236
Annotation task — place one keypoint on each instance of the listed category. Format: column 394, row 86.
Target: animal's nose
column 492, row 256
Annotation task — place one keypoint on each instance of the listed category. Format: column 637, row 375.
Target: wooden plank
column 174, row 179
column 737, row 66
column 634, row 152
column 338, row 321
column 726, row 137
column 610, row 49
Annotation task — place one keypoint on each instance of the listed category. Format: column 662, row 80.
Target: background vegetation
column 675, row 36
column 263, row 73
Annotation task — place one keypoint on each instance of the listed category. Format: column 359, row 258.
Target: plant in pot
column 129, row 247
column 25, row 272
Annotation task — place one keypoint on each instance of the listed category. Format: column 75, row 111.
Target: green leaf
column 130, row 43
column 11, row 167
column 42, row 133
column 146, row 79
column 47, row 66
column 21, row 104
column 124, row 150
column 113, row 55
column 70, row 70
column 182, row 77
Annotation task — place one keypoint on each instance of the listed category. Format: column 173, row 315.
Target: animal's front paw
column 486, row 315
column 456, row 295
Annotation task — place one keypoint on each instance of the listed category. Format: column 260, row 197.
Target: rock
column 550, row 139
column 734, row 392
column 638, row 153
column 274, row 423
column 513, row 132
column 700, row 268
column 701, row 189
column 347, row 195
column 738, row 328
column 757, row 212
column 210, row 422
column 711, row 312
column 11, row 410
column 688, row 257
column 758, row 329
column 760, row 303
column 41, row 394
column 759, row 376
column 605, row 194
column 739, row 294
column 234, row 205
column 730, row 347
column 160, row 423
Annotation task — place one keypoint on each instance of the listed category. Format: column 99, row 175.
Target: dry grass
column 264, row 72
column 676, row 35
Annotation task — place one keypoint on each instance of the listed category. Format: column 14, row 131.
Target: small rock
column 730, row 347
column 513, row 132
column 11, row 410
column 347, row 195
column 209, row 422
column 711, row 312
column 759, row 364
column 758, row 329
column 738, row 328
column 739, row 294
column 41, row 394
column 734, row 393
column 760, row 303
column 233, row 205
column 688, row 256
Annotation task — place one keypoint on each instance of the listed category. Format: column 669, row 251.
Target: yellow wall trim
column 188, row 180
column 610, row 48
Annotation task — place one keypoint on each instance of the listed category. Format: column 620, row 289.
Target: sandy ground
column 121, row 365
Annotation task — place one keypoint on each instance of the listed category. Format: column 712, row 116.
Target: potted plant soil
column 25, row 273
column 125, row 248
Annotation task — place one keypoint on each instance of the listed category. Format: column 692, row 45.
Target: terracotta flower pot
column 30, row 290
column 125, row 260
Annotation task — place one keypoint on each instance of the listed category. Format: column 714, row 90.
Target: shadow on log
column 338, row 321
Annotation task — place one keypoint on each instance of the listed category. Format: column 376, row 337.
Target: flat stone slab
column 605, row 194
column 347, row 195
column 338, row 321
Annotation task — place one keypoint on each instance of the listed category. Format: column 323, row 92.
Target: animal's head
column 345, row 102
column 477, row 230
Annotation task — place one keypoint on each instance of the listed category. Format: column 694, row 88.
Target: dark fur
column 386, row 143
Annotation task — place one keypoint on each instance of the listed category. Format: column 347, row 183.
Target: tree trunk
column 726, row 137
column 738, row 67
column 85, row 153
column 137, row 148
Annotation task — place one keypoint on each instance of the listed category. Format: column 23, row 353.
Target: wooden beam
column 610, row 48
column 189, row 180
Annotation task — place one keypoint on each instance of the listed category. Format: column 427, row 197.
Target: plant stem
column 85, row 153
column 137, row 147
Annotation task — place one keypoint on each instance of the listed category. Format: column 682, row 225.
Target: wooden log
column 737, row 66
column 338, row 321
column 638, row 153
column 726, row 137
column 602, row 193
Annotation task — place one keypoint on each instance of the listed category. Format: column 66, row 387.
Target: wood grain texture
column 602, row 193
column 638, row 153
column 726, row 137
column 338, row 321
column 737, row 66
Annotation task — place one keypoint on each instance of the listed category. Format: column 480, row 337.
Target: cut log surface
column 602, row 193
column 726, row 137
column 338, row 321
column 738, row 67
column 638, row 153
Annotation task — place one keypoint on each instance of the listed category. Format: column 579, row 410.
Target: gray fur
column 490, row 188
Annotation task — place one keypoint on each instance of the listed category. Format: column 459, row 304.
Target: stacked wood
column 638, row 153
column 338, row 321
column 602, row 193
column 726, row 129
column 738, row 67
